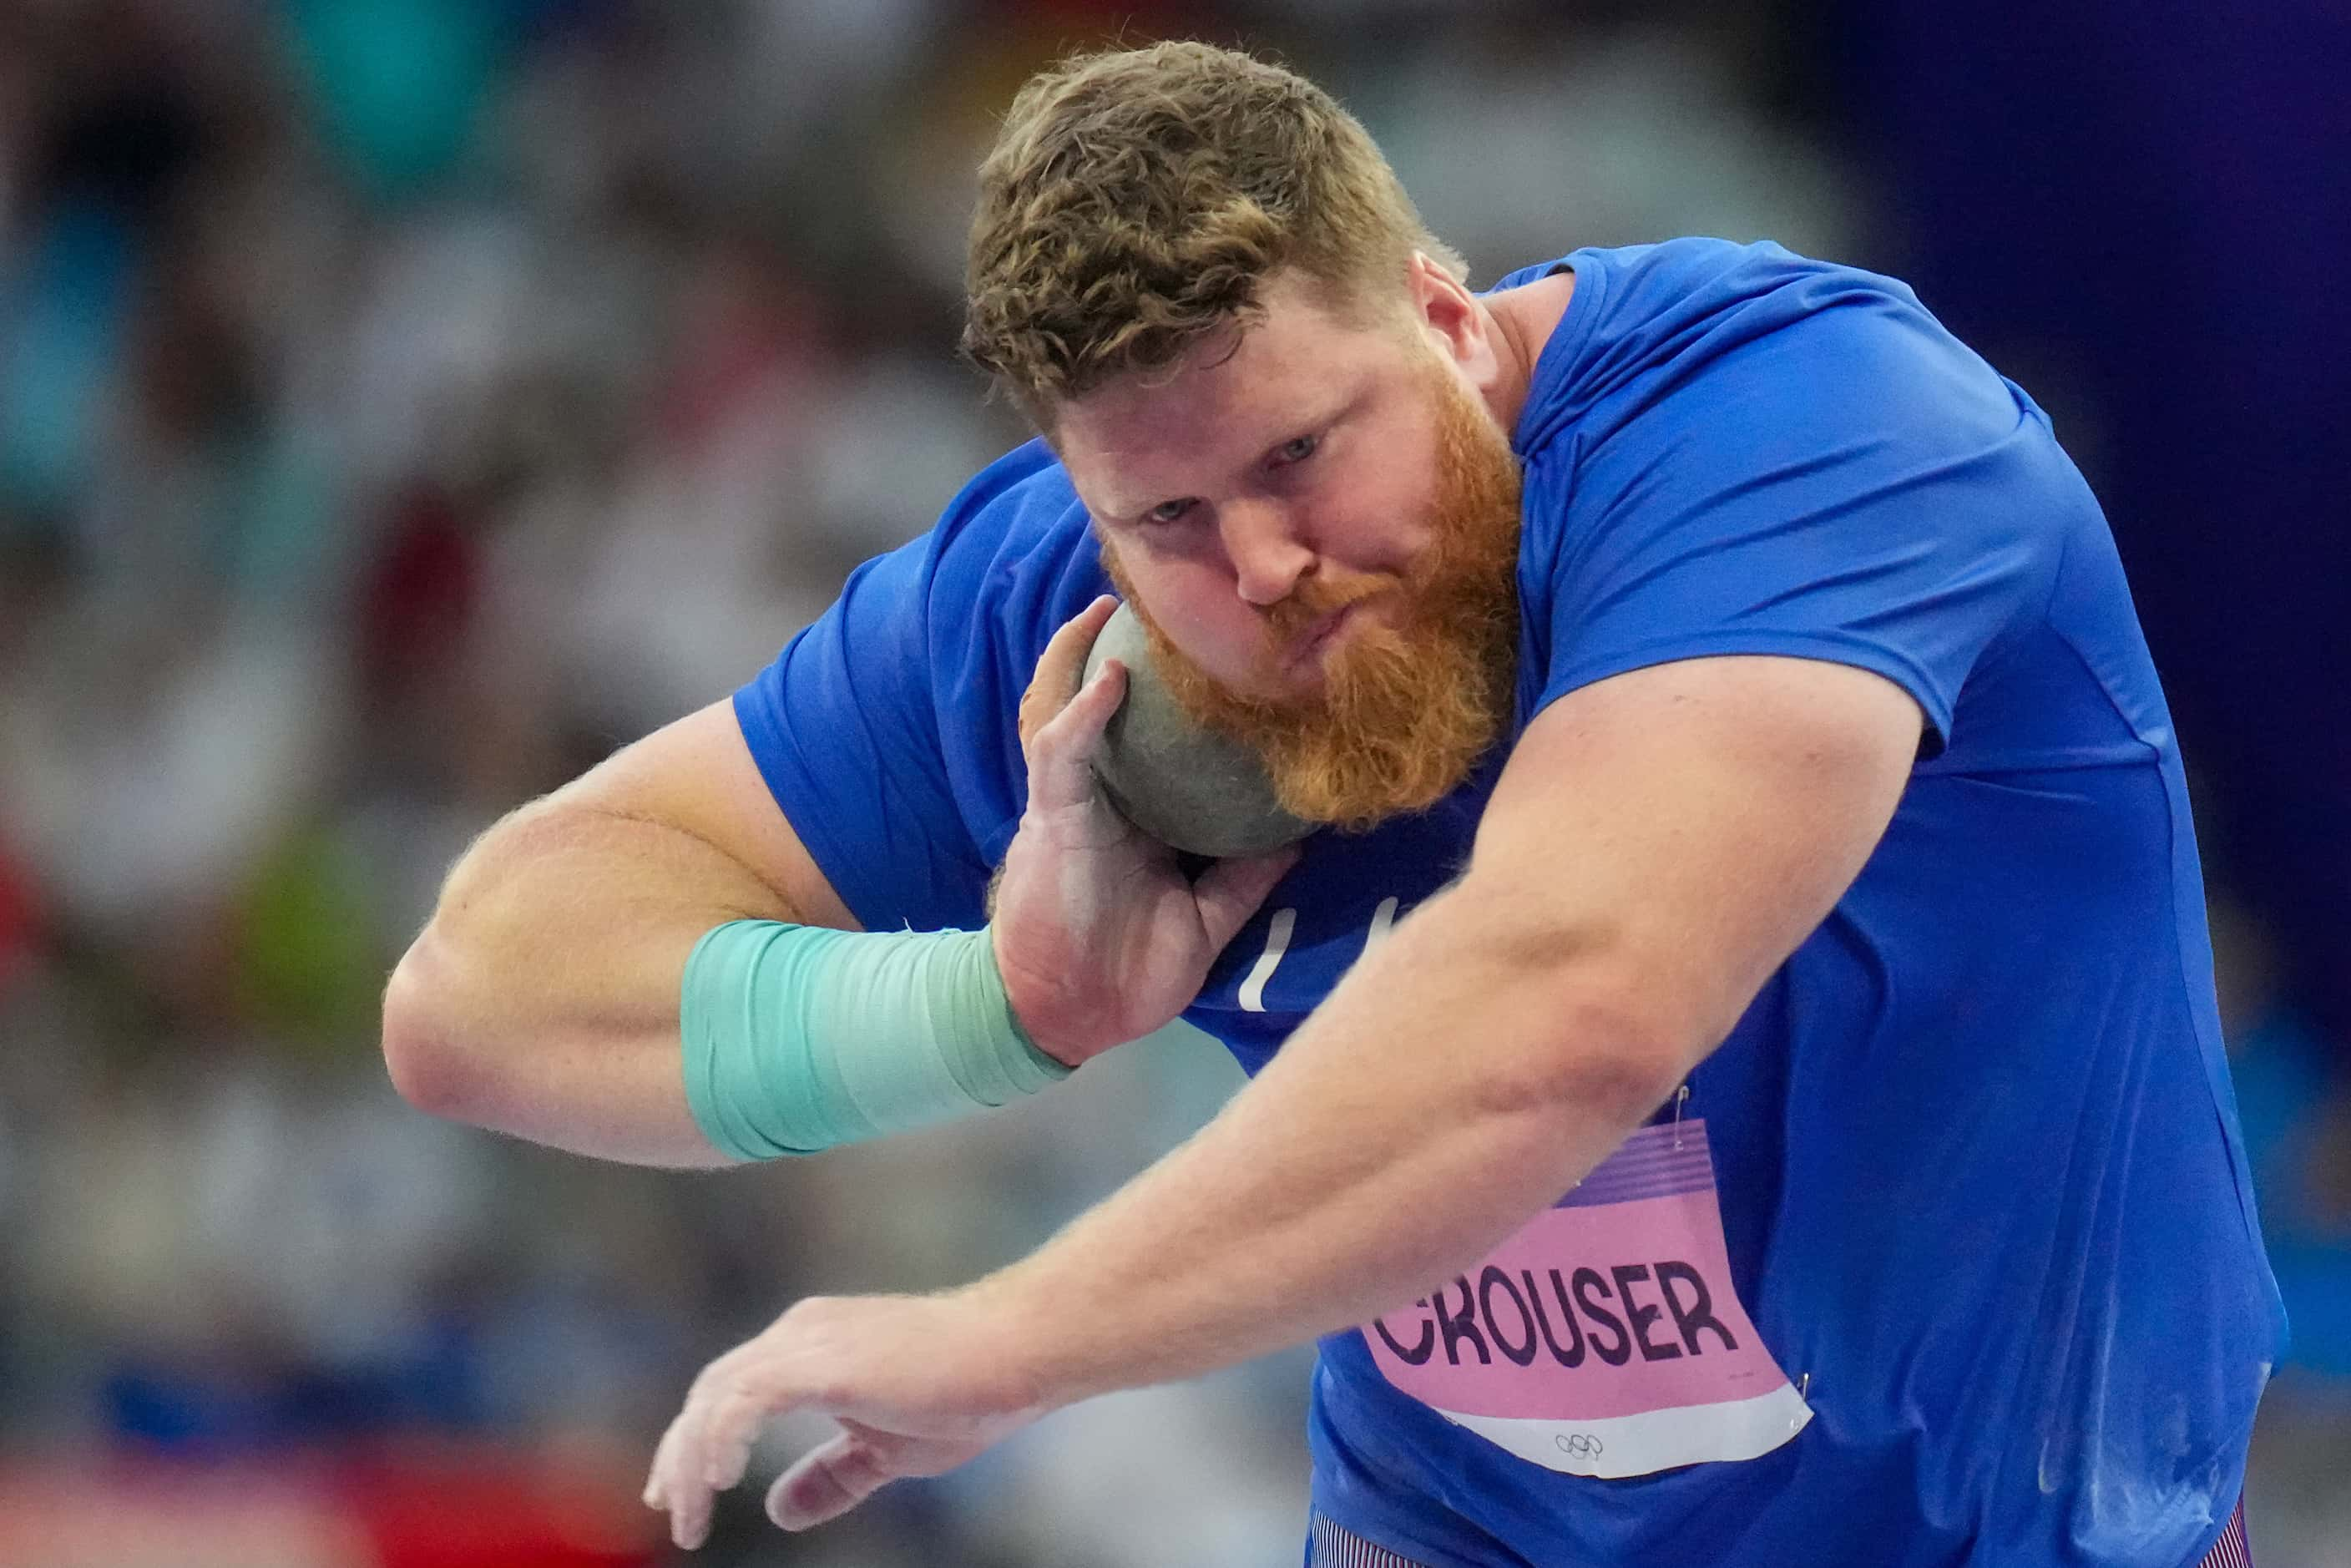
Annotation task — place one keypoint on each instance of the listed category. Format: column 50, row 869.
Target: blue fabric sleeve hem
column 766, row 740
column 1933, row 704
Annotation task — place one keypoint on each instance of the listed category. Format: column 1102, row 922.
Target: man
column 1740, row 1082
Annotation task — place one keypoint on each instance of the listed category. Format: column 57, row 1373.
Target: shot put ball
column 1182, row 784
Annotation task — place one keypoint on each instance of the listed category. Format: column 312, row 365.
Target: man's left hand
column 919, row 1384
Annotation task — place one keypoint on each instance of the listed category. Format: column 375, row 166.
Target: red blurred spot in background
column 19, row 915
column 419, row 595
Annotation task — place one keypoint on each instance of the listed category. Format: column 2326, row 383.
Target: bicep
column 1682, row 828
column 697, row 775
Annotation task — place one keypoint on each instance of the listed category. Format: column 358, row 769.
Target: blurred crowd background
column 405, row 402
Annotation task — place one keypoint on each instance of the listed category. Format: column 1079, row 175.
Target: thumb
column 1061, row 750
column 828, row 1482
column 1229, row 891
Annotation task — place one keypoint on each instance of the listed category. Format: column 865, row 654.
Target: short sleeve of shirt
column 844, row 728
column 1811, row 467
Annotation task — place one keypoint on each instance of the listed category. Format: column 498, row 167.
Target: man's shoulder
column 1692, row 272
column 1698, row 298
column 1667, row 336
column 1702, row 270
column 1010, row 551
column 1022, row 497
column 970, row 604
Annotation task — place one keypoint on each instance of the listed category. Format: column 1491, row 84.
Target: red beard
column 1405, row 711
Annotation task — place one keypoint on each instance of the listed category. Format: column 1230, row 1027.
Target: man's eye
column 1301, row 449
column 1168, row 511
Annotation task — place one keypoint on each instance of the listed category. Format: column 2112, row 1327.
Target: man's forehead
column 1228, row 396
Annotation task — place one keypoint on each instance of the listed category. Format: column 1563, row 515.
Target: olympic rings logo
column 1579, row 1445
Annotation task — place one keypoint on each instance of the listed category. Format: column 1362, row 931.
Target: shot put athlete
column 1735, row 1074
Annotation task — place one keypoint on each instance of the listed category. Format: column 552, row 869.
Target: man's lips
column 1308, row 645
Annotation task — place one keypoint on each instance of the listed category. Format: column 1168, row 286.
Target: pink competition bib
column 1604, row 1339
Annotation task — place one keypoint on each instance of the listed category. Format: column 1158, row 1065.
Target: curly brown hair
column 1136, row 202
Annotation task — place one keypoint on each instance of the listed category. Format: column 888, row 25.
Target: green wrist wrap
column 799, row 1037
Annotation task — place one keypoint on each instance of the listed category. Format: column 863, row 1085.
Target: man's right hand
column 1100, row 936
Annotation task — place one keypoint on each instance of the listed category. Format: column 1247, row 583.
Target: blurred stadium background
column 404, row 402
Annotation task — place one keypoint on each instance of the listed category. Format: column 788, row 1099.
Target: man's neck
column 1522, row 320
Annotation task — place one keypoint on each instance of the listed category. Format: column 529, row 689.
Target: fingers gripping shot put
column 1701, row 881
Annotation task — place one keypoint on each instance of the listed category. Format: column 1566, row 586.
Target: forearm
column 1447, row 1092
column 542, row 999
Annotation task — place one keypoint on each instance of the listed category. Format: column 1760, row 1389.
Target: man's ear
column 1447, row 312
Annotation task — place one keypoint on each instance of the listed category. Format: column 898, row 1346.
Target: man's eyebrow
column 1320, row 415
column 1120, row 518
column 1123, row 515
column 1327, row 409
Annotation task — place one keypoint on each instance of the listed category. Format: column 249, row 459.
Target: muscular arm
column 542, row 997
column 1658, row 845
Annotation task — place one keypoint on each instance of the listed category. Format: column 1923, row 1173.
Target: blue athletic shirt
column 1980, row 1181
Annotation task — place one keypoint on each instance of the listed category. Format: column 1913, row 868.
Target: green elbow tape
column 799, row 1039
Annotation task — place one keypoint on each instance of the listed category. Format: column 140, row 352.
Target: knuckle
column 715, row 1379
column 735, row 1416
column 859, row 1471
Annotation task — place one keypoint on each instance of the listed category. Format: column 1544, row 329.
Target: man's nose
column 1261, row 540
